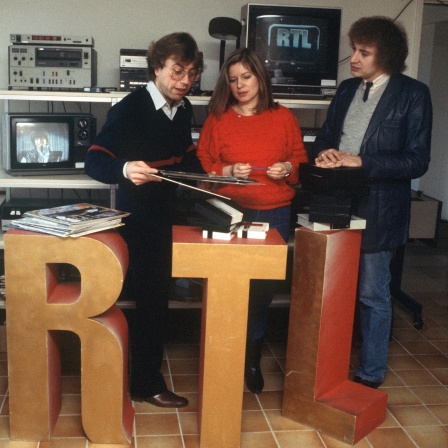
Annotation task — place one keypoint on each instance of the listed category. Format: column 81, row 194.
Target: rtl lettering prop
column 38, row 306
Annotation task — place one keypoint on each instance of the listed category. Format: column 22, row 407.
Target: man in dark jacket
column 379, row 120
column 150, row 129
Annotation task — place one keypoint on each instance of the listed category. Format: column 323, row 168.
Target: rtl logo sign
column 294, row 36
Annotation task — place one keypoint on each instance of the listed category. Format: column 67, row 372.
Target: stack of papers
column 70, row 220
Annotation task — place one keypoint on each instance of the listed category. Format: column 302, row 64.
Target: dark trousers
column 150, row 274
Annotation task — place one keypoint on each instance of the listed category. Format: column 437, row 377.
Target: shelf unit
column 114, row 97
column 72, row 181
column 75, row 181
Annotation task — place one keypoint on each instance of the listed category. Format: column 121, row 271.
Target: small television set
column 299, row 46
column 45, row 143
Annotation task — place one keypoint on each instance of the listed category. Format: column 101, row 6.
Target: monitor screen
column 46, row 143
column 42, row 142
column 299, row 45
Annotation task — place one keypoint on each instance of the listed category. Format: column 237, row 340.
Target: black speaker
column 225, row 28
column 84, row 132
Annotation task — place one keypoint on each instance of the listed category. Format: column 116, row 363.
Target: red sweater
column 260, row 140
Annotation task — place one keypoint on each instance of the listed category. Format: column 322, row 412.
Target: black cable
column 404, row 8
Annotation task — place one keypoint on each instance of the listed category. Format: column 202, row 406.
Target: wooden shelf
column 79, row 181
column 114, row 97
column 47, row 95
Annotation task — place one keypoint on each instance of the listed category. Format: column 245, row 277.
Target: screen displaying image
column 298, row 45
column 291, row 45
column 42, row 142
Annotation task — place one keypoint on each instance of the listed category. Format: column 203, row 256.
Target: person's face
column 172, row 89
column 244, row 85
column 363, row 62
column 40, row 142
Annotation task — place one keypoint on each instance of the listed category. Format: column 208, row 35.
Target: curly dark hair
column 222, row 97
column 387, row 36
column 181, row 46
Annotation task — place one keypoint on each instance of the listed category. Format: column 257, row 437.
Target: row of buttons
column 52, row 81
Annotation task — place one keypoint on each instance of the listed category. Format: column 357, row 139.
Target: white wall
column 116, row 24
column 433, row 70
column 134, row 24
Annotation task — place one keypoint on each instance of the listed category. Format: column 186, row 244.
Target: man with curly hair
column 379, row 120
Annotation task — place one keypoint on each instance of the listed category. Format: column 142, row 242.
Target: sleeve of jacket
column 326, row 137
column 403, row 145
column 103, row 166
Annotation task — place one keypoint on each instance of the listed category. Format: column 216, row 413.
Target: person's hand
column 332, row 158
column 328, row 164
column 351, row 160
column 139, row 173
column 208, row 186
column 279, row 170
column 240, row 170
column 328, row 158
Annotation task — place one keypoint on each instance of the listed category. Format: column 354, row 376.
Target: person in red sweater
column 248, row 135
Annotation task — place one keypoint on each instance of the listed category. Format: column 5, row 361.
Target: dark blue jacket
column 394, row 150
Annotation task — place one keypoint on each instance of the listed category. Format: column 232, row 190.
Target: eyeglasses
column 179, row 73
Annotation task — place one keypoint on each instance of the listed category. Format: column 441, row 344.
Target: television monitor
column 44, row 144
column 299, row 45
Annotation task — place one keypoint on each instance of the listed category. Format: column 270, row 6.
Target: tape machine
column 51, row 62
